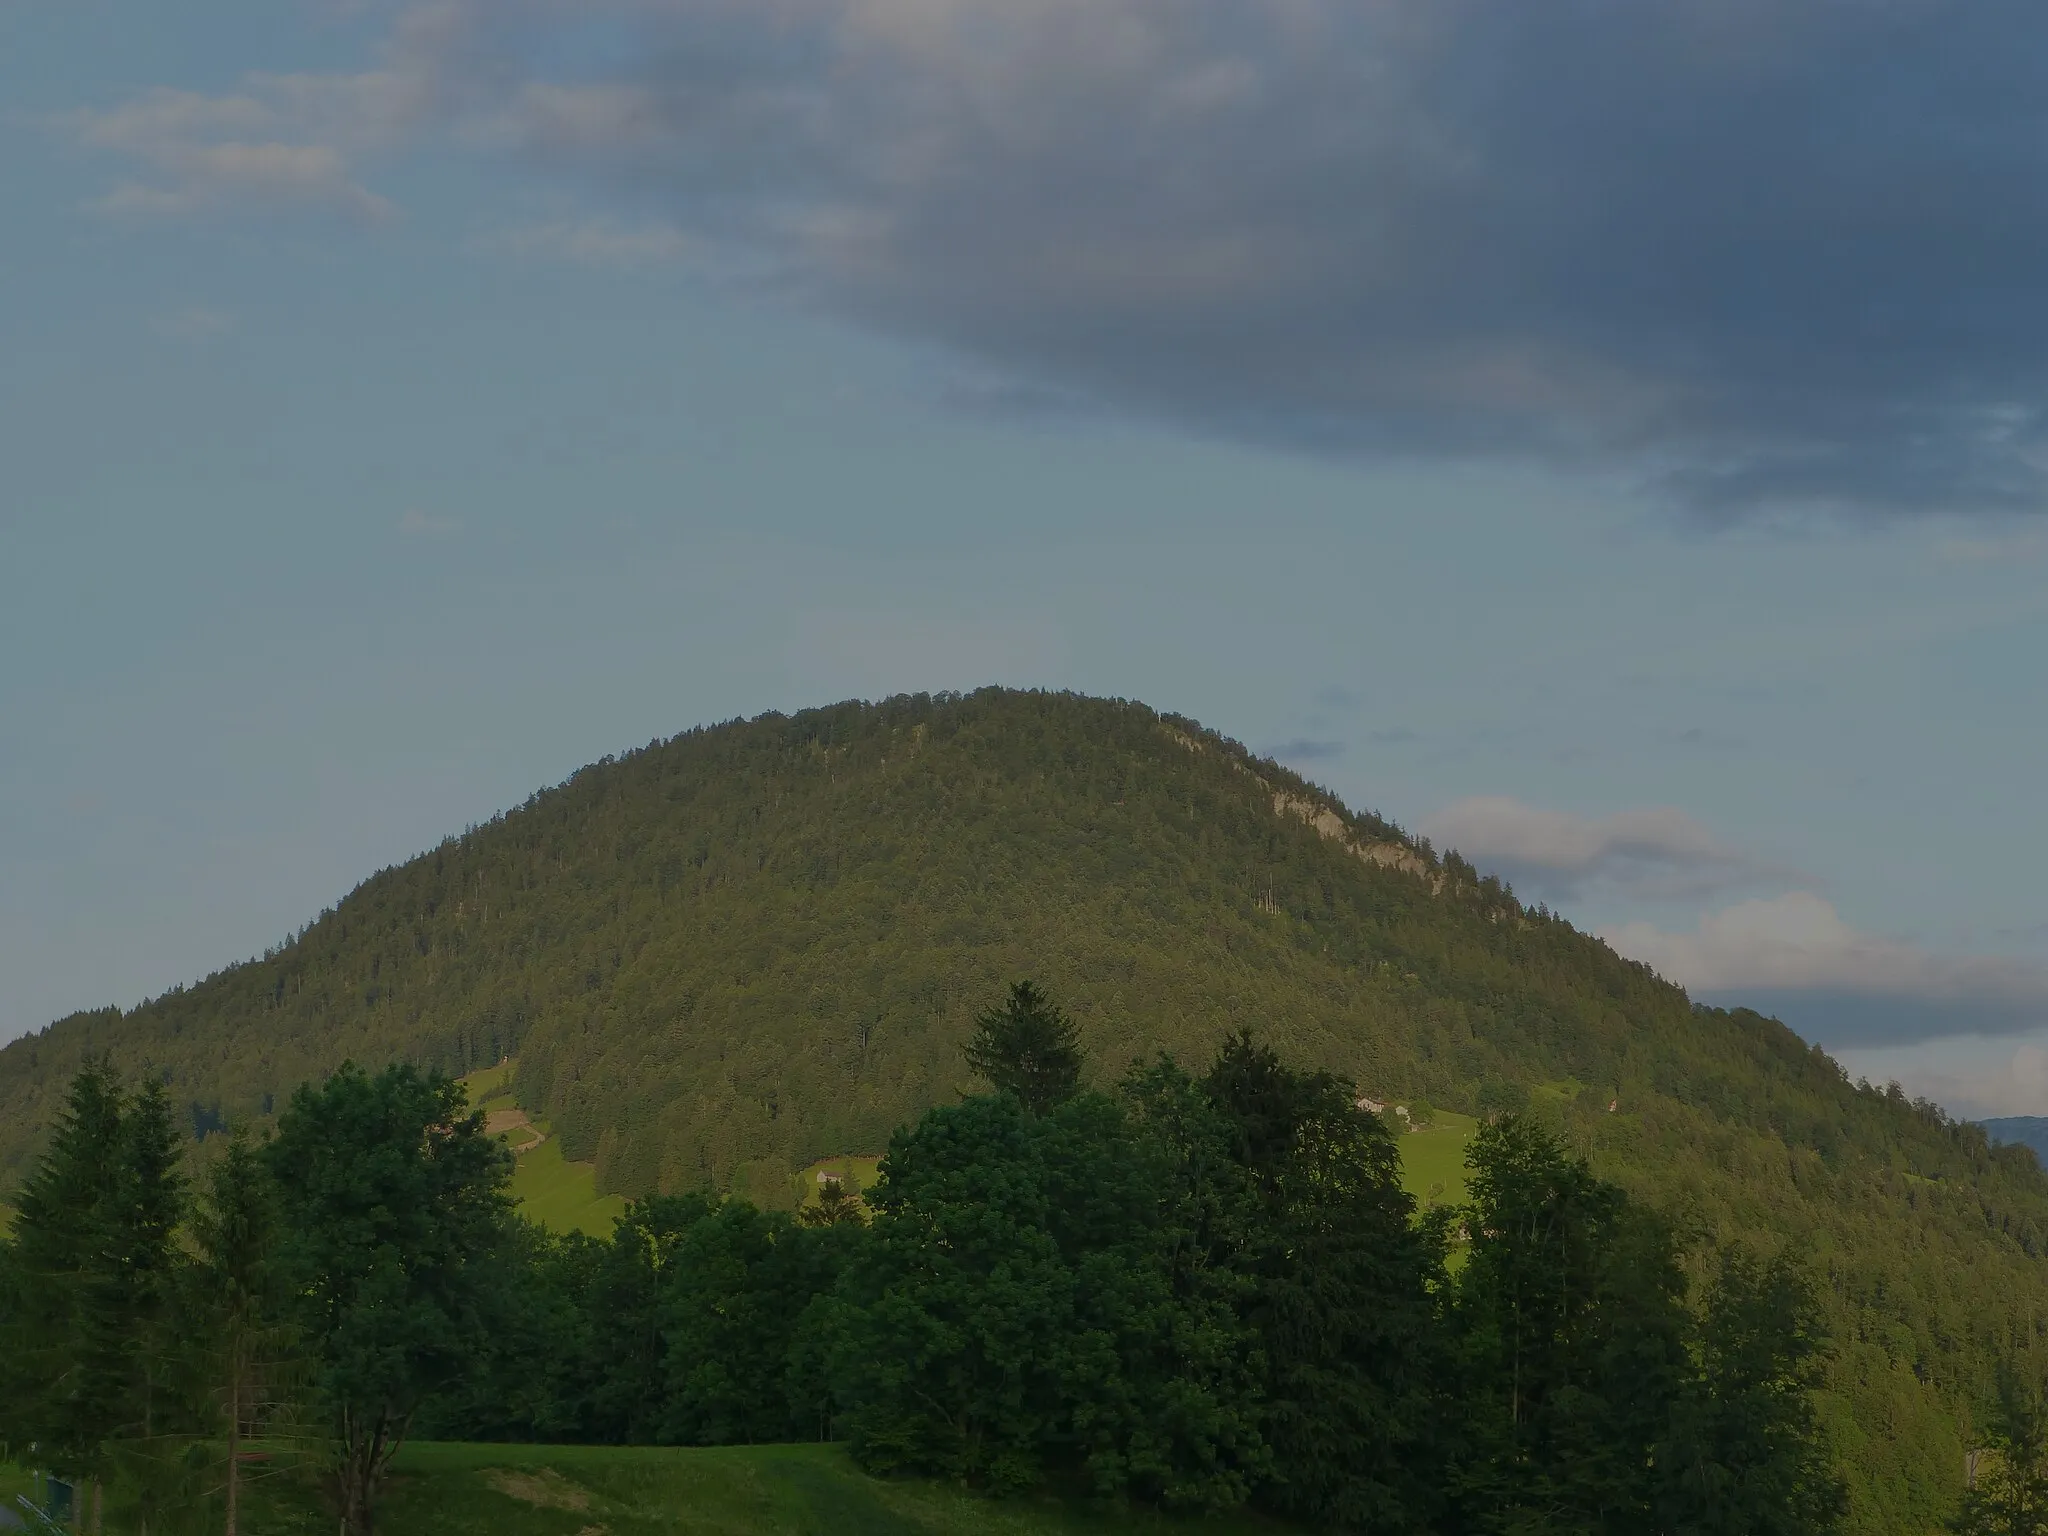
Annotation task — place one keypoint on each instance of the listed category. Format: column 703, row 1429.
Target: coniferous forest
column 731, row 953
column 1188, row 1292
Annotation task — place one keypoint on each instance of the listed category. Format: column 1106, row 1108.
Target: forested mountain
column 753, row 945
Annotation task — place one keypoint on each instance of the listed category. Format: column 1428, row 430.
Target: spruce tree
column 133, row 1343
column 1029, row 1048
column 235, row 1231
column 66, row 1396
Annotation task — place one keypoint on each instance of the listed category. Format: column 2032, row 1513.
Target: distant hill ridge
column 2019, row 1131
column 735, row 952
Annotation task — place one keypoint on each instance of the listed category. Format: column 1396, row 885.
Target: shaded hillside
column 752, row 946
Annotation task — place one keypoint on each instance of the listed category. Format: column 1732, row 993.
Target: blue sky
column 1611, row 446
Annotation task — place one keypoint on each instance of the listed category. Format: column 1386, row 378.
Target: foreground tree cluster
column 1197, row 1292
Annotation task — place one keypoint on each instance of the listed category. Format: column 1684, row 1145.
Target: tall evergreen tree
column 238, row 1301
column 1028, row 1047
column 66, row 1392
column 130, row 1305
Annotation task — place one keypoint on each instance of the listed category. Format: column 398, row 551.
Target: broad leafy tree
column 392, row 1216
column 2009, row 1496
column 1343, row 1295
column 1746, row 1456
column 1573, row 1340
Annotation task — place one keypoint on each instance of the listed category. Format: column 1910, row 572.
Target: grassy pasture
column 562, row 1196
column 759, row 1490
column 1433, row 1159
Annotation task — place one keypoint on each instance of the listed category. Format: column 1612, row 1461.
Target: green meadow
column 755, row 1490
column 1433, row 1159
column 562, row 1196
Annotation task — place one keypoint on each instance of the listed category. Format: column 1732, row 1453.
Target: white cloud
column 1974, row 1077
column 205, row 153
column 1794, row 955
column 1657, row 851
column 294, row 141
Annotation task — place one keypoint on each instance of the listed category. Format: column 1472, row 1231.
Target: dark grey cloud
column 1759, row 256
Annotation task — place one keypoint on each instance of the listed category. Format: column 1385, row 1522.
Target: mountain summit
column 754, row 945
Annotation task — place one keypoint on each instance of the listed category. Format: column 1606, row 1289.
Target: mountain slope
column 752, row 946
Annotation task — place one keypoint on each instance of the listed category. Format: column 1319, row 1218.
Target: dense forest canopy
column 753, row 945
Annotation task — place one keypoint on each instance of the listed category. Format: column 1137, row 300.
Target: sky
column 1605, row 439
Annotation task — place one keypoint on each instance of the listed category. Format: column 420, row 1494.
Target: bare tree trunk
column 96, row 1507
column 234, row 1447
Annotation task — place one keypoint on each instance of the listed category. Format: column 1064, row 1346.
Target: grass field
column 1433, row 1159
column 766, row 1490
column 13, row 1483
column 562, row 1196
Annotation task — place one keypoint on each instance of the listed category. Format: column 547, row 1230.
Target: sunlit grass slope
column 561, row 1195
column 801, row 1490
column 1433, row 1159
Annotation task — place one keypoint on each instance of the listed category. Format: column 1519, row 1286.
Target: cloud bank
column 1658, row 852
column 1789, row 954
column 1758, row 256
column 1793, row 956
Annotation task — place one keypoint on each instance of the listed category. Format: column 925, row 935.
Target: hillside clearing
column 549, row 1189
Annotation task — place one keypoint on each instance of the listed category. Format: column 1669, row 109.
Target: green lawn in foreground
column 765, row 1490
column 14, row 1481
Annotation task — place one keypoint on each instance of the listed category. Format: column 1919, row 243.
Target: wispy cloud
column 1659, row 852
column 1972, row 1076
column 207, row 153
